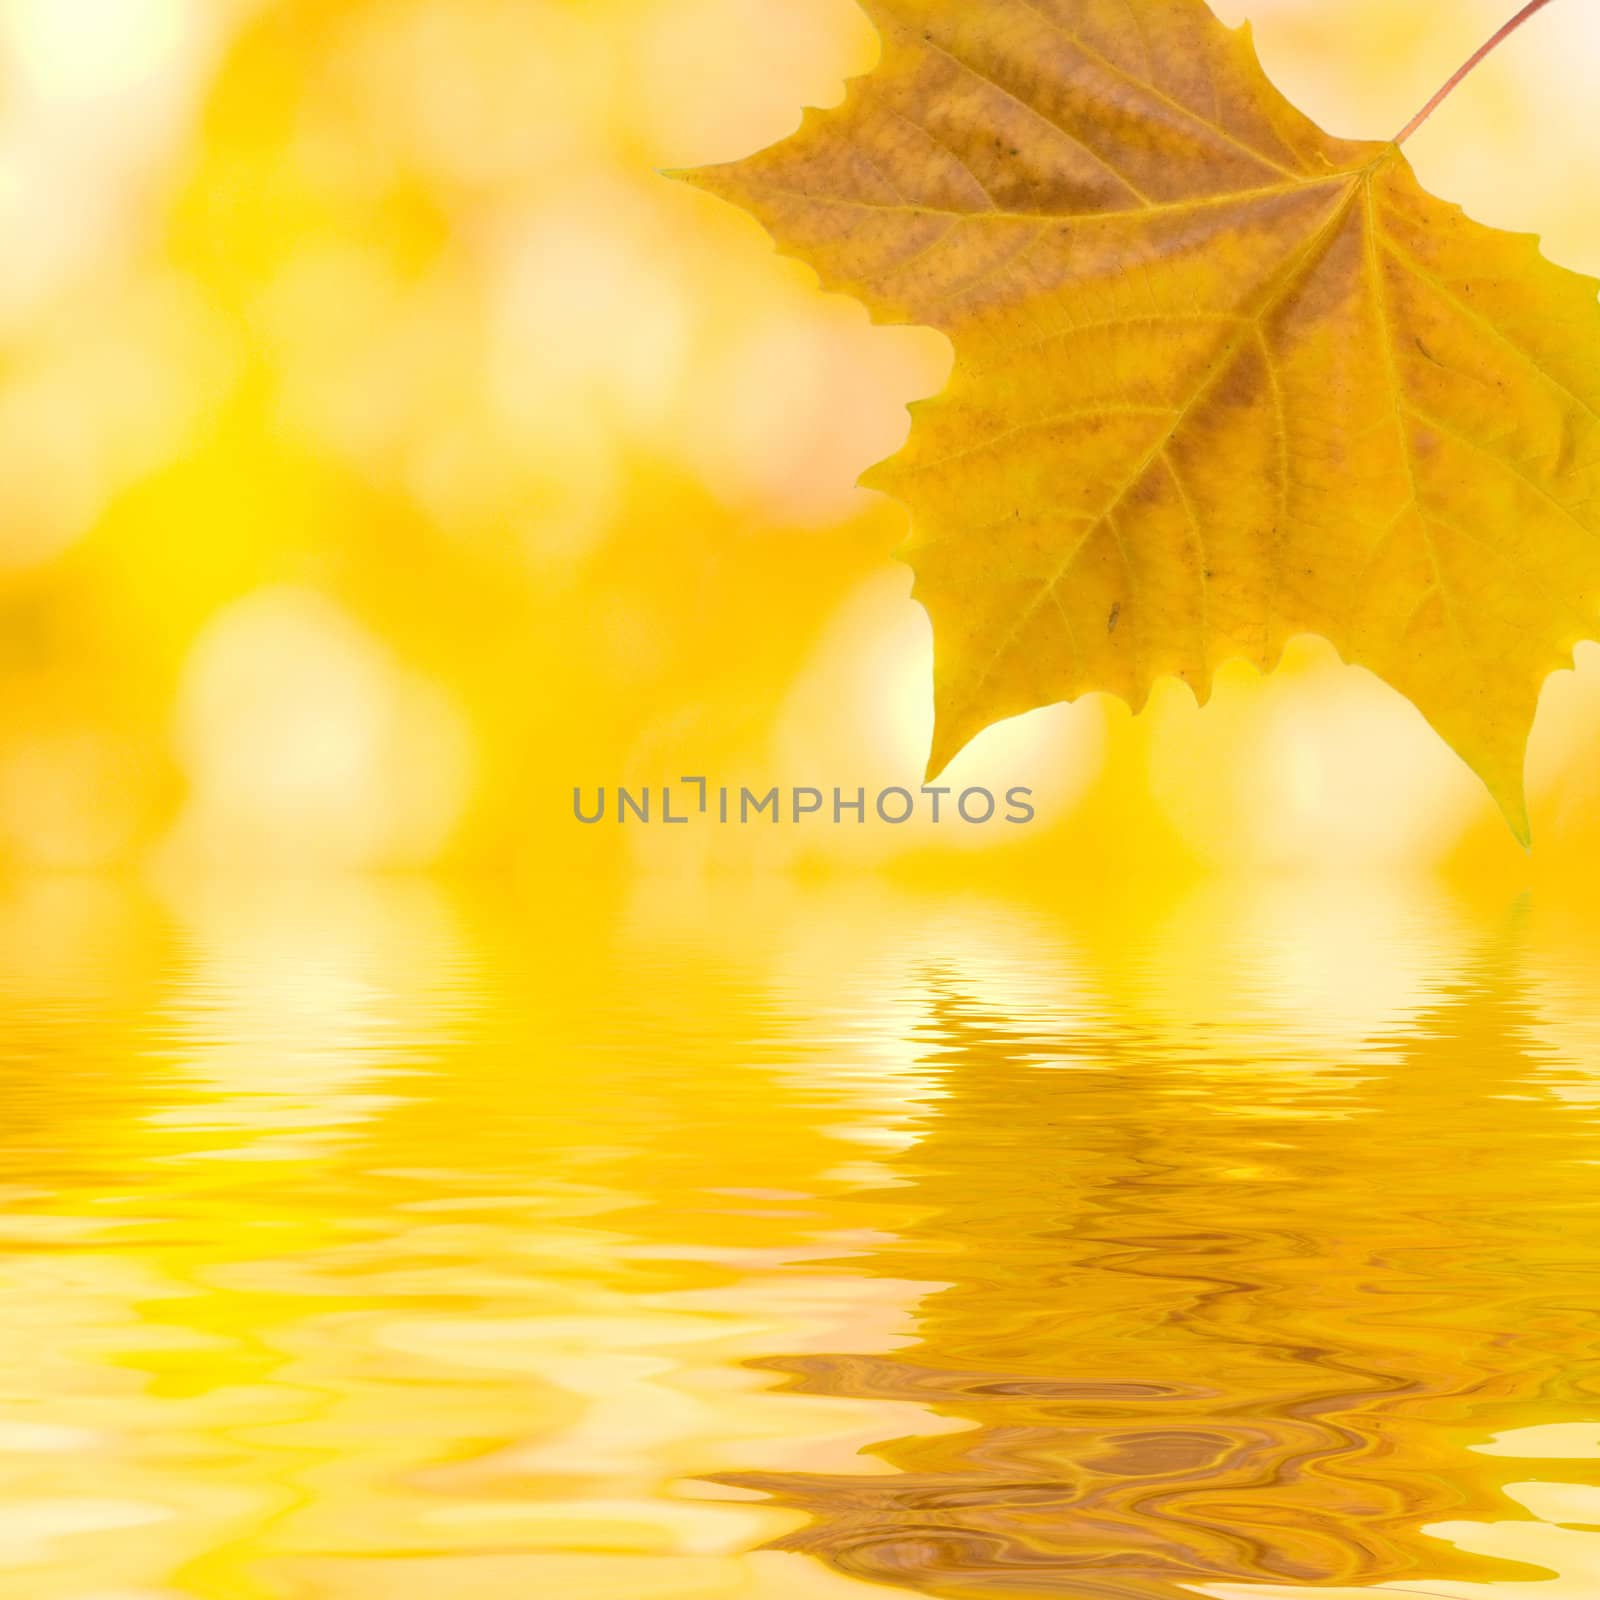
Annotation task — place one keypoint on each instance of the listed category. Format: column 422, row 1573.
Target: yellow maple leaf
column 1220, row 378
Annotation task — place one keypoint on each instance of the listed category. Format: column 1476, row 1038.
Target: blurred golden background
column 386, row 447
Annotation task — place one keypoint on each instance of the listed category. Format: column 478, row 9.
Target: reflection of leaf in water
column 1549, row 1541
column 1219, row 1320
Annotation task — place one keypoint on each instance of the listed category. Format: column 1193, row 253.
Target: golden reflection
column 1219, row 1315
column 373, row 1238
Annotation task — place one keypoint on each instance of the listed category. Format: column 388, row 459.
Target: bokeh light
column 387, row 447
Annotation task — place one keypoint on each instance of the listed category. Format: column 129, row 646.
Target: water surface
column 393, row 1240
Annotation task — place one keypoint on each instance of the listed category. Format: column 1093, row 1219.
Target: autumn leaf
column 1220, row 378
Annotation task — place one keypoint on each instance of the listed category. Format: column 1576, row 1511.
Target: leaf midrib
column 1358, row 181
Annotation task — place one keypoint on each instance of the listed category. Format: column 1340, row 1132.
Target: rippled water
column 394, row 1241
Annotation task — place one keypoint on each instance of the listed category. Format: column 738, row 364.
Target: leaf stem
column 1531, row 9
